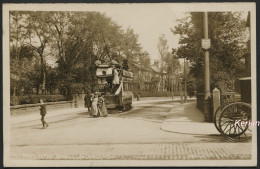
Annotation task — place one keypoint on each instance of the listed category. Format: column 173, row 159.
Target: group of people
column 96, row 105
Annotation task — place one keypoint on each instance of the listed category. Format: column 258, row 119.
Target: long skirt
column 104, row 110
column 94, row 109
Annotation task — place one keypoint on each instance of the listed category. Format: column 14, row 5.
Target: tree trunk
column 14, row 91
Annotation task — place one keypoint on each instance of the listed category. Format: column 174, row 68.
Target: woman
column 103, row 108
column 94, row 108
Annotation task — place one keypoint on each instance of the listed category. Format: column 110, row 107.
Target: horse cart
column 233, row 119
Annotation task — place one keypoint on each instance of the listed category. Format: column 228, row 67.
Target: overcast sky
column 148, row 21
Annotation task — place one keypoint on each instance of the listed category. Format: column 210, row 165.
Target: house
column 149, row 78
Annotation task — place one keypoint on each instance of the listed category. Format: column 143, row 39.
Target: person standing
column 94, row 108
column 103, row 108
column 43, row 113
column 87, row 101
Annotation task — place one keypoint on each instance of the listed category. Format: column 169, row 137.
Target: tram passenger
column 115, row 81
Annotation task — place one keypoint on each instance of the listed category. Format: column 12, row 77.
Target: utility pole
column 181, row 90
column 206, row 46
column 185, row 84
column 172, row 78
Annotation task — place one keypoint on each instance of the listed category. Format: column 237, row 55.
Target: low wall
column 29, row 108
column 224, row 98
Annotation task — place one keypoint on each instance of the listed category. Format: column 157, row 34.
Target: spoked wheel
column 217, row 115
column 234, row 121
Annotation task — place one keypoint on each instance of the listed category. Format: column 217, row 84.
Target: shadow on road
column 147, row 113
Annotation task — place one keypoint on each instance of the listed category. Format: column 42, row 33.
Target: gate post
column 216, row 99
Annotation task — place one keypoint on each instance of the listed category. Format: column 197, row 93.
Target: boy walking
column 43, row 113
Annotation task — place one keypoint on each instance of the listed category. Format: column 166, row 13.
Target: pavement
column 184, row 118
column 187, row 119
column 154, row 129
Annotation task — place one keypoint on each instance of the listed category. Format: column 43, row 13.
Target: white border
column 236, row 6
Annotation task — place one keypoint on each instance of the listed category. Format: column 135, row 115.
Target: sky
column 148, row 21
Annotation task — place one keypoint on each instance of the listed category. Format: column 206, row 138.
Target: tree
column 38, row 36
column 51, row 50
column 227, row 34
column 163, row 49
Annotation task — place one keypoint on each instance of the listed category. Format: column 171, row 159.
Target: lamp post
column 206, row 46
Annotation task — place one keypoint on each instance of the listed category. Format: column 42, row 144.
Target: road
column 132, row 135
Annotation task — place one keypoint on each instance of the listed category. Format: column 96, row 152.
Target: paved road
column 135, row 134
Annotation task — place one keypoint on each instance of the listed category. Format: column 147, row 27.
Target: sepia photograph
column 129, row 84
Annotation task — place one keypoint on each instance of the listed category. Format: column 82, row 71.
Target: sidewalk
column 187, row 119
column 160, row 99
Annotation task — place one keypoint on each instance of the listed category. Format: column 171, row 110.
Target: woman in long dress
column 94, row 107
column 103, row 108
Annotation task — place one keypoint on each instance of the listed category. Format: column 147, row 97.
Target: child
column 43, row 113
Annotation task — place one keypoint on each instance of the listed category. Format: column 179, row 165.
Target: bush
column 32, row 99
column 157, row 94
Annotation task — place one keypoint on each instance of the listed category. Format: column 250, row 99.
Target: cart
column 233, row 119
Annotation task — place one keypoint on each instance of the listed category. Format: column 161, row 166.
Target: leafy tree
column 163, row 49
column 227, row 34
column 51, row 50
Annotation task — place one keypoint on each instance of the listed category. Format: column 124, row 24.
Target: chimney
column 156, row 63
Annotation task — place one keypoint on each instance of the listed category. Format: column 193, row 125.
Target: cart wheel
column 230, row 121
column 217, row 115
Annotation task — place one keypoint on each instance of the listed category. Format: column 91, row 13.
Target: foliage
column 227, row 34
column 32, row 99
column 54, row 52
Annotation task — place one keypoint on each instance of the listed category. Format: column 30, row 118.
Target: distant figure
column 94, row 108
column 91, row 109
column 43, row 113
column 138, row 96
column 102, row 106
column 87, row 101
column 106, row 87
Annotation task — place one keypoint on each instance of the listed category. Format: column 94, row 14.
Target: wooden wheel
column 234, row 121
column 217, row 115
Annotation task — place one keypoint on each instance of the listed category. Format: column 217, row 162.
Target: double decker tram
column 116, row 84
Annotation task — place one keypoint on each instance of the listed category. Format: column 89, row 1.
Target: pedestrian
column 102, row 106
column 94, row 108
column 87, row 101
column 91, row 109
column 138, row 96
column 43, row 112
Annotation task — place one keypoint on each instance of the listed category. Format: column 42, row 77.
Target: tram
column 116, row 84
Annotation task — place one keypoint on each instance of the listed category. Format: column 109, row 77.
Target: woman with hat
column 102, row 106
column 94, row 107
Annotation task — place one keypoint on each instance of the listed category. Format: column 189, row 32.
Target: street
column 144, row 132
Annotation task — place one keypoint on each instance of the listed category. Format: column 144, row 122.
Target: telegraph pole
column 206, row 46
column 185, row 84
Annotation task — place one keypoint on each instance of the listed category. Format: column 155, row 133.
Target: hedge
column 32, row 99
column 157, row 94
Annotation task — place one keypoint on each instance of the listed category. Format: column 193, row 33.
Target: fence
column 224, row 98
